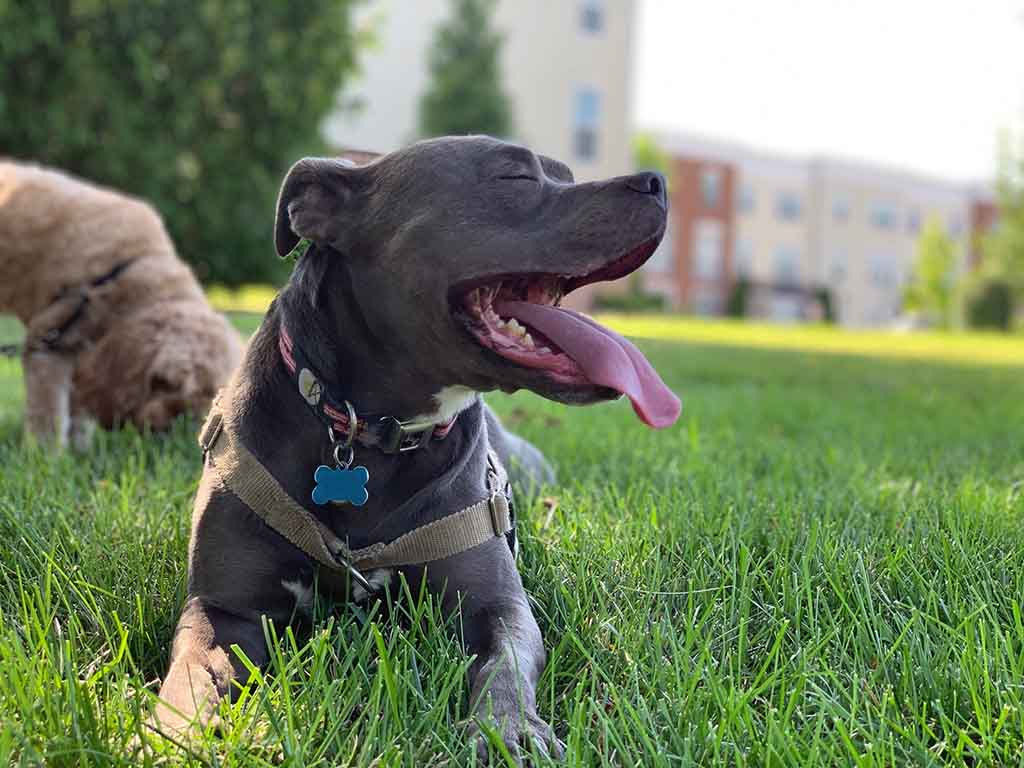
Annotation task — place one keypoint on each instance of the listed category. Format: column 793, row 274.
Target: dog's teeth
column 544, row 350
column 528, row 340
column 514, row 327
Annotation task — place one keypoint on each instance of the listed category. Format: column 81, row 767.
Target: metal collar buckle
column 399, row 437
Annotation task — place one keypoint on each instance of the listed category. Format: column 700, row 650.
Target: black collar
column 385, row 433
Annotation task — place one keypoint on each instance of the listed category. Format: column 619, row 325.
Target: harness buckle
column 399, row 437
column 211, row 429
column 499, row 516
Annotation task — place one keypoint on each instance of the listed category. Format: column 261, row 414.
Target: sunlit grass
column 821, row 564
column 963, row 347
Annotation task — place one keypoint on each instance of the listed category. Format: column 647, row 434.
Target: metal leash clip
column 345, row 445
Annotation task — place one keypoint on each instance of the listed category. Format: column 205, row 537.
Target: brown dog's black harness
column 54, row 340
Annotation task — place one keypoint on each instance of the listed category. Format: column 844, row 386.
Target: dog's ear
column 314, row 196
column 556, row 169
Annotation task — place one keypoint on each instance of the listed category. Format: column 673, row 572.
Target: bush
column 630, row 302
column 828, row 310
column 991, row 306
column 198, row 106
column 736, row 304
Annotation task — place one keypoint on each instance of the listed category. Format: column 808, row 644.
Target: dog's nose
column 649, row 183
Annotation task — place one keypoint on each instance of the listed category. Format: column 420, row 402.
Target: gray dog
column 352, row 443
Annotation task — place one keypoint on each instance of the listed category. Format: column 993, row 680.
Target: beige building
column 567, row 67
column 794, row 227
column 865, row 225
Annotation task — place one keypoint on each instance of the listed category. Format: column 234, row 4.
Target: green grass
column 821, row 564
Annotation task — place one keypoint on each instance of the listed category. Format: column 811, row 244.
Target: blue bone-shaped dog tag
column 341, row 485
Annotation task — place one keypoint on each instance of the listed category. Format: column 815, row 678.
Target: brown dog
column 117, row 327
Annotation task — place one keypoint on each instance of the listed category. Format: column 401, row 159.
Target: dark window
column 883, row 215
column 592, row 16
column 787, row 206
column 710, row 187
column 747, row 199
column 586, row 121
column 914, row 221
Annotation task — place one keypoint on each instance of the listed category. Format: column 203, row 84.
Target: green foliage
column 828, row 309
column 634, row 300
column 1003, row 248
column 821, row 565
column 198, row 106
column 739, row 297
column 991, row 306
column 649, row 156
column 465, row 93
column 931, row 287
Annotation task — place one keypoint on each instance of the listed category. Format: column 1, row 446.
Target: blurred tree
column 1003, row 248
column 649, row 156
column 198, row 106
column 465, row 93
column 990, row 305
column 931, row 289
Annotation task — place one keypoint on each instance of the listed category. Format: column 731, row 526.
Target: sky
column 925, row 85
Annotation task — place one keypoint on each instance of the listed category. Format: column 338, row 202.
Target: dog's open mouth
column 519, row 318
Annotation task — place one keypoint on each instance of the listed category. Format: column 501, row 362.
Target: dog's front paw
column 522, row 734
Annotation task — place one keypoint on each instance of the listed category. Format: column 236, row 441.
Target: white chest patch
column 303, row 592
column 450, row 401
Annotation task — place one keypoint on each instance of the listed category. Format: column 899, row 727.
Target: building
column 567, row 69
column 797, row 230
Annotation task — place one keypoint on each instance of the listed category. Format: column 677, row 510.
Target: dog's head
column 453, row 255
column 159, row 362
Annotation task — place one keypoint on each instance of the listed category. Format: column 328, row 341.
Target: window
column 747, row 199
column 840, row 210
column 787, row 206
column 839, row 262
column 744, row 259
column 883, row 214
column 710, row 187
column 587, row 118
column 707, row 303
column 913, row 221
column 956, row 226
column 786, row 268
column 787, row 265
column 883, row 270
column 592, row 16
column 708, row 250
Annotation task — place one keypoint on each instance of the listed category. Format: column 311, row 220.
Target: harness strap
column 240, row 472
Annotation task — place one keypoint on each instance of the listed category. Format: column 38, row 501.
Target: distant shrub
column 828, row 310
column 991, row 306
column 739, row 296
column 198, row 106
column 630, row 302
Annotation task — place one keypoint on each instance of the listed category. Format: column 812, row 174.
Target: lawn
column 821, row 564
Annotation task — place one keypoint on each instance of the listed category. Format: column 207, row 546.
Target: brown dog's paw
column 522, row 735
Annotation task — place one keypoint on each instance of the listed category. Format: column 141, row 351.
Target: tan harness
column 240, row 472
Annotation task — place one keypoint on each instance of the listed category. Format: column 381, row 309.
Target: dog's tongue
column 605, row 358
